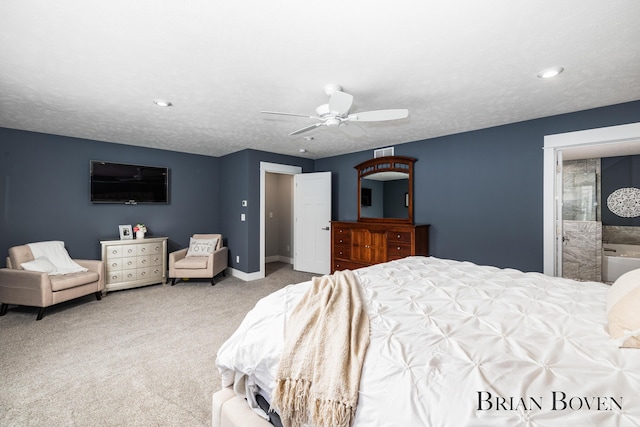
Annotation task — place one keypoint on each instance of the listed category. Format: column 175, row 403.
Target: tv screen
column 126, row 183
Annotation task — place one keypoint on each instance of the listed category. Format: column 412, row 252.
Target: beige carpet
column 139, row 357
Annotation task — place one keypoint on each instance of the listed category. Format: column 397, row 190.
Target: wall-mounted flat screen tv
column 128, row 183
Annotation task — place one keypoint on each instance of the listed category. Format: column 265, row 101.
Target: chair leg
column 173, row 281
column 98, row 295
column 40, row 313
column 3, row 309
column 212, row 282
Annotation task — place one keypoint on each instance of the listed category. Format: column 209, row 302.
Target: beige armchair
column 21, row 287
column 182, row 266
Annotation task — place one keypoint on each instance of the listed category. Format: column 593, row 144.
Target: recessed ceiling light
column 308, row 138
column 162, row 103
column 550, row 72
column 302, row 150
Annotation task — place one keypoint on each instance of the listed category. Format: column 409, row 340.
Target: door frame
column 266, row 167
column 553, row 146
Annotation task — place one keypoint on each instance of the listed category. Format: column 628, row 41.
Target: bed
column 456, row 344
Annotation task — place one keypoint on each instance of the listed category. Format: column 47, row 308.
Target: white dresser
column 133, row 263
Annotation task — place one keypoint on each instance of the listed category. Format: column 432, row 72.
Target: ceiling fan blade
column 306, row 129
column 379, row 115
column 288, row 114
column 352, row 130
column 340, row 103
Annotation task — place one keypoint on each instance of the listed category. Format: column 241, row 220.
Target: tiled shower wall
column 582, row 231
column 581, row 190
column 621, row 235
column 582, row 250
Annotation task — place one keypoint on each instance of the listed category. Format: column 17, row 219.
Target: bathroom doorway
column 589, row 144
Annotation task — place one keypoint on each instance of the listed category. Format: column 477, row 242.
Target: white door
column 312, row 222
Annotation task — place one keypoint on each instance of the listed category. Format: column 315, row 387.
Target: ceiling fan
column 336, row 114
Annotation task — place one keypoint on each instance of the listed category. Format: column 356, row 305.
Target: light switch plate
column 242, row 217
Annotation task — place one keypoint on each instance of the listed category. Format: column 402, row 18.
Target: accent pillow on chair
column 201, row 247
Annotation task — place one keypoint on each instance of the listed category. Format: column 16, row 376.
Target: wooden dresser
column 359, row 244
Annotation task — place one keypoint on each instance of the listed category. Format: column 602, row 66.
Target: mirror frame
column 387, row 164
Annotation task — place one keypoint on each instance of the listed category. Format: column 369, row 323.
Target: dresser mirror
column 385, row 189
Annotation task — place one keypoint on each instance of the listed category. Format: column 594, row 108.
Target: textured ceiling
column 91, row 69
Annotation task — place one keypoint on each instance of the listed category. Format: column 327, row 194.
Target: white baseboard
column 247, row 277
column 278, row 258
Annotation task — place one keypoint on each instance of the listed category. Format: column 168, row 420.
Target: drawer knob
column 114, row 251
column 398, row 247
column 115, row 264
column 398, row 236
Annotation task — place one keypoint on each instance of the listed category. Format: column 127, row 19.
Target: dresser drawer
column 145, row 261
column 399, row 236
column 129, row 250
column 398, row 250
column 114, row 276
column 129, row 275
column 114, row 251
column 115, row 264
column 129, row 262
column 342, row 251
column 149, row 273
column 346, row 265
column 342, row 240
column 341, row 231
column 149, row 249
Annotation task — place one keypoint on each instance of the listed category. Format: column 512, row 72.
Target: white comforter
column 456, row 344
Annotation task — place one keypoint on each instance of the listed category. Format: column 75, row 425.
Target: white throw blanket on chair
column 55, row 252
column 326, row 339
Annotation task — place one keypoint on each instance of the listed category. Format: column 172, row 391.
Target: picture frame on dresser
column 126, row 232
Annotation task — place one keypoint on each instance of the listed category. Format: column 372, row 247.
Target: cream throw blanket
column 326, row 339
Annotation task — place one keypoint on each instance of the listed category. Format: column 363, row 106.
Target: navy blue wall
column 44, row 193
column 481, row 191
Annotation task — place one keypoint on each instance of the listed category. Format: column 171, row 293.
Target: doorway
column 278, row 219
column 270, row 168
column 594, row 143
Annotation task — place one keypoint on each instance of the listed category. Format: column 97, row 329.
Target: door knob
column 325, row 228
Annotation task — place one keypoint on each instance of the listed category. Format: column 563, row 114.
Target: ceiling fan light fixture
column 162, row 103
column 550, row 72
column 332, row 122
